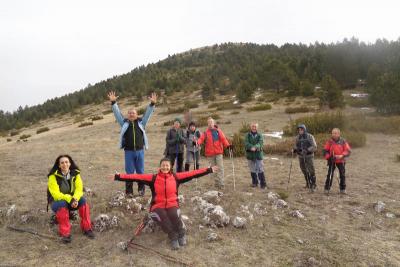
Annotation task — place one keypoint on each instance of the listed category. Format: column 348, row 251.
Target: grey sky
column 50, row 48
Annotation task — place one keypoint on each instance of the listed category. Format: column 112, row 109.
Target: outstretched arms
column 183, row 177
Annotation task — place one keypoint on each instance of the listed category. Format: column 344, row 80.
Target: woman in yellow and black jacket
column 65, row 193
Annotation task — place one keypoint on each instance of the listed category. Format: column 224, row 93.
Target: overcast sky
column 50, row 48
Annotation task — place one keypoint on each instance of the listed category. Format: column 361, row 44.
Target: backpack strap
column 153, row 179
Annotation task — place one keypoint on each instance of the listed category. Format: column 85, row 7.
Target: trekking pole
column 307, row 173
column 195, row 167
column 233, row 169
column 332, row 169
column 290, row 171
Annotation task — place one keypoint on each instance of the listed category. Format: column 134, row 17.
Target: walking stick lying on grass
column 30, row 231
column 132, row 244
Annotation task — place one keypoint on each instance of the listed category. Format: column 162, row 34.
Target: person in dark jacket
column 253, row 142
column 65, row 193
column 164, row 207
column 305, row 146
column 192, row 151
column 133, row 138
column 335, row 151
column 175, row 142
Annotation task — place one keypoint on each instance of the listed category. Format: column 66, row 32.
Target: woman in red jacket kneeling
column 164, row 203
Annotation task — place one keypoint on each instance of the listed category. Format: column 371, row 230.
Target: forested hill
column 293, row 69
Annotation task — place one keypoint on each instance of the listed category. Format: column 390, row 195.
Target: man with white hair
column 214, row 142
column 133, row 138
column 254, row 144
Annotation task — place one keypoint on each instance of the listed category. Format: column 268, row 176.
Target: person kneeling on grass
column 164, row 203
column 65, row 193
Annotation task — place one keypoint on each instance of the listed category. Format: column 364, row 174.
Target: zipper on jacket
column 165, row 187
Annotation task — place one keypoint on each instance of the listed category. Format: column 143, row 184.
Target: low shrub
column 14, row 132
column 283, row 147
column 301, row 109
column 96, row 118
column 173, row 111
column 79, row 119
column 259, row 107
column 386, row 125
column 237, row 142
column 244, row 128
column 318, row 123
column 86, row 123
column 42, row 130
column 358, row 102
column 24, row 136
column 190, row 104
column 9, row 139
column 108, row 111
column 224, row 105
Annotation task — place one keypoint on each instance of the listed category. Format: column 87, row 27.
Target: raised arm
column 117, row 113
column 184, row 177
column 135, row 177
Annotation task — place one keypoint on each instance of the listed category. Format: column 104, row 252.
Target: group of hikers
column 65, row 187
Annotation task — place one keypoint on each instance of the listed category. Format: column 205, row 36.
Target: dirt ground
column 337, row 230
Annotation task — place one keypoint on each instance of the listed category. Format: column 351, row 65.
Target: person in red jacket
column 215, row 142
column 336, row 150
column 164, row 203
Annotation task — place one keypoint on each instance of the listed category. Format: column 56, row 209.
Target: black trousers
column 331, row 172
column 173, row 157
column 170, row 222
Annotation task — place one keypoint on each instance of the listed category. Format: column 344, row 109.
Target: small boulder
column 390, row 215
column 122, row 246
column 213, row 196
column 259, row 209
column 297, row 214
column 239, row 222
column 104, row 222
column 272, row 197
column 11, row 210
column 379, row 206
column 212, row 236
column 280, row 204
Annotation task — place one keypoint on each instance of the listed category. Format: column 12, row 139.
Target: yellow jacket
column 60, row 189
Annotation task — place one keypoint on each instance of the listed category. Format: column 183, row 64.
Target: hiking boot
column 326, row 191
column 254, row 185
column 263, row 186
column 129, row 195
column 343, row 192
column 174, row 244
column 182, row 241
column 66, row 239
column 89, row 234
column 53, row 220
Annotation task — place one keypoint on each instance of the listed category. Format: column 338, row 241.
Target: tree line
column 241, row 68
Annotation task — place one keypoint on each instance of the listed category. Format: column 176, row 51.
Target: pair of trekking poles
column 309, row 182
column 331, row 171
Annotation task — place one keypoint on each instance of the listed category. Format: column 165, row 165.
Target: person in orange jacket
column 215, row 142
column 164, row 207
column 336, row 150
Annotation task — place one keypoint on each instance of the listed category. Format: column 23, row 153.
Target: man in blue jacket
column 133, row 138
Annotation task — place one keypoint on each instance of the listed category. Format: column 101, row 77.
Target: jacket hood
column 302, row 126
